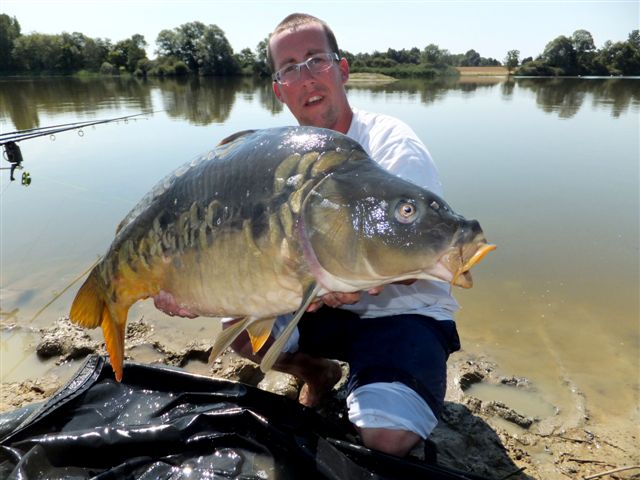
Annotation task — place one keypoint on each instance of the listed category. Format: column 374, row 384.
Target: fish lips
column 455, row 264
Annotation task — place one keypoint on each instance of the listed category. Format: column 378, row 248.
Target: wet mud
column 493, row 424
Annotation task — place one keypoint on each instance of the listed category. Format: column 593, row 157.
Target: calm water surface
column 549, row 167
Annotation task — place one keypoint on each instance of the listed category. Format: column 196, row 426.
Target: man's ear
column 343, row 65
column 276, row 91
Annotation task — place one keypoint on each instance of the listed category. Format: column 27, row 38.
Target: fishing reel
column 13, row 155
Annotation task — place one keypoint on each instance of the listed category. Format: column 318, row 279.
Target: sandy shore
column 486, row 437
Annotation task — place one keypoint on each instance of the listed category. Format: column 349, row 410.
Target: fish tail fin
column 227, row 336
column 113, row 330
column 90, row 309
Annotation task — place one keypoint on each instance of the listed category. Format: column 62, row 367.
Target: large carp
column 265, row 223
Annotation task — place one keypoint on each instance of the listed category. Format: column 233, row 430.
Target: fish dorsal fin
column 274, row 352
column 235, row 136
column 228, row 335
column 259, row 332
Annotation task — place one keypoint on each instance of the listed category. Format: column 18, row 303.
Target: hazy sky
column 490, row 27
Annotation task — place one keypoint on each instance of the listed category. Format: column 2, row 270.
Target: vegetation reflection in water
column 207, row 100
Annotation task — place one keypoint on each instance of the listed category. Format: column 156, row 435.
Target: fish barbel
column 264, row 224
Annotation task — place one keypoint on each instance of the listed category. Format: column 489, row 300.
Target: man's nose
column 306, row 73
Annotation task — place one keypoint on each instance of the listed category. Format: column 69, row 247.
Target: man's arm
column 337, row 299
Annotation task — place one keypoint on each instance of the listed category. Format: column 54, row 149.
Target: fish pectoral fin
column 259, row 332
column 274, row 352
column 228, row 335
column 113, row 329
column 87, row 309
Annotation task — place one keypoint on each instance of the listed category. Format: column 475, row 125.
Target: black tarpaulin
column 163, row 423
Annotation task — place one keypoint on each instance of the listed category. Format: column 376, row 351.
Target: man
column 397, row 339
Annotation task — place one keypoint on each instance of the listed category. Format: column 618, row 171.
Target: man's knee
column 393, row 442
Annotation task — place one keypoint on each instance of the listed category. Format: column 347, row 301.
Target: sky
column 361, row 26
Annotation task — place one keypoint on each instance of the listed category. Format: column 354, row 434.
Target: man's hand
column 337, row 299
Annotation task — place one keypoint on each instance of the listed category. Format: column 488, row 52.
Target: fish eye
column 405, row 212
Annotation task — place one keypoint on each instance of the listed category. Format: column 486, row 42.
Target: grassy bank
column 482, row 71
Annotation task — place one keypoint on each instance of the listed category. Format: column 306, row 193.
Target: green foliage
column 9, row 32
column 578, row 56
column 203, row 49
column 470, row 59
column 511, row 60
column 215, row 55
column 126, row 54
column 538, row 68
column 167, row 67
column 107, row 69
column 261, row 66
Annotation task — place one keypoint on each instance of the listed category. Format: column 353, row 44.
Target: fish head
column 366, row 227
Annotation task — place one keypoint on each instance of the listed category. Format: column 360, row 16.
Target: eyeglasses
column 317, row 63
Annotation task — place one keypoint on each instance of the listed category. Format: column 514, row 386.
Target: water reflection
column 566, row 96
column 23, row 101
column 200, row 100
column 204, row 101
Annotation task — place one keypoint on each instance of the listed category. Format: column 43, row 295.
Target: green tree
column 182, row 42
column 261, row 66
column 95, row 53
column 433, row 55
column 621, row 58
column 127, row 53
column 634, row 38
column 582, row 42
column 585, row 48
column 167, row 42
column 71, row 57
column 37, row 52
column 203, row 48
column 246, row 58
column 560, row 53
column 214, row 53
column 9, row 32
column 511, row 60
column 471, row 59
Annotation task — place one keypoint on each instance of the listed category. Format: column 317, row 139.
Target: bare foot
column 313, row 391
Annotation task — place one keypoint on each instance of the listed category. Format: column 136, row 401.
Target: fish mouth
column 455, row 265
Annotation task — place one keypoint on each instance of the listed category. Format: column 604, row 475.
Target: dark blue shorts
column 412, row 349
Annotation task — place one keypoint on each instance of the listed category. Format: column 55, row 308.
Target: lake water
column 548, row 166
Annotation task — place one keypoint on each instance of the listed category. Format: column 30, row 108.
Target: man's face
column 315, row 99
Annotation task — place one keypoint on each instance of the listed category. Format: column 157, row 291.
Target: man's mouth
column 313, row 100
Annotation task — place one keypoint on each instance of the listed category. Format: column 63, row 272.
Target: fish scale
column 261, row 225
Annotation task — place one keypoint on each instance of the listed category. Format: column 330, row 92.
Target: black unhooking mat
column 162, row 423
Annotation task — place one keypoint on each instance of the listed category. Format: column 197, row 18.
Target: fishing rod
column 10, row 140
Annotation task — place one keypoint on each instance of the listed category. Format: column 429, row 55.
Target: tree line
column 196, row 48
column 578, row 55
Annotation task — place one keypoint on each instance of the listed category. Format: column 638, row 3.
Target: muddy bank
column 493, row 424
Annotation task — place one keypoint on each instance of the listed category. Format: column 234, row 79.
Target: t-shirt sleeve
column 400, row 152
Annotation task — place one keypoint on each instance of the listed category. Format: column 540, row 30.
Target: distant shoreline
column 379, row 78
column 483, row 71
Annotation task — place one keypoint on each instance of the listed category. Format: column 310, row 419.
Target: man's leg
column 393, row 442
column 398, row 379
